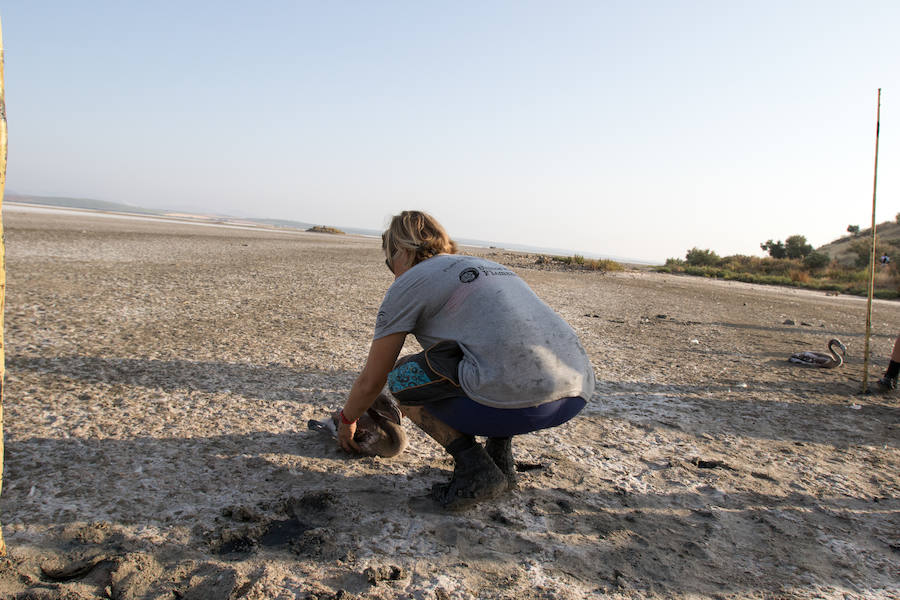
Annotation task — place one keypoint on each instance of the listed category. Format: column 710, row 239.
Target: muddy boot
column 475, row 476
column 500, row 451
column 888, row 384
column 889, row 381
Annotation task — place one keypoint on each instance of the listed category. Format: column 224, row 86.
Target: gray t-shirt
column 517, row 351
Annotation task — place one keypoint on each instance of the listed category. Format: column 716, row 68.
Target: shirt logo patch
column 468, row 275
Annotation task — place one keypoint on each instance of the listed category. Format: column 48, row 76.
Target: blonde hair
column 419, row 234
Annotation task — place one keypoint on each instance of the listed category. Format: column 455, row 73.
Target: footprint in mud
column 289, row 534
column 281, row 533
column 302, row 532
column 234, row 545
column 72, row 567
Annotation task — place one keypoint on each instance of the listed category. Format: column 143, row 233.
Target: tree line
column 793, row 261
column 794, row 247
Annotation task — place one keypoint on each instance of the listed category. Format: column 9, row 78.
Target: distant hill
column 90, row 204
column 839, row 249
column 86, row 203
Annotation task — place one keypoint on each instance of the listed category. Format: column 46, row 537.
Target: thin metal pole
column 2, row 264
column 865, row 387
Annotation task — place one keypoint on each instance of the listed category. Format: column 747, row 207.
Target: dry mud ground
column 160, row 378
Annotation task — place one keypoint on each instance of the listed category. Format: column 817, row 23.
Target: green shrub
column 590, row 264
column 700, row 258
column 612, row 265
column 795, row 246
column 603, row 264
column 845, row 274
column 798, row 276
column 775, row 249
column 325, row 229
column 816, row 260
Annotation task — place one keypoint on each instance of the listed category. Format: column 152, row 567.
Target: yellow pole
column 2, row 264
column 865, row 387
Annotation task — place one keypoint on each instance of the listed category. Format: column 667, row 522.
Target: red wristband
column 344, row 419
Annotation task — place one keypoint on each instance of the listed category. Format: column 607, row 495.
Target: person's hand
column 345, row 436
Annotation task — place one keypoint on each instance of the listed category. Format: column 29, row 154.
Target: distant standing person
column 497, row 361
column 889, row 380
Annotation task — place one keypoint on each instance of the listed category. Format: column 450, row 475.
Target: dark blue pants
column 466, row 415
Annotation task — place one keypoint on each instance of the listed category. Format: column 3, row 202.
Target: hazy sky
column 636, row 128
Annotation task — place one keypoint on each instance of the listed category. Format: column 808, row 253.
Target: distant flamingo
column 820, row 359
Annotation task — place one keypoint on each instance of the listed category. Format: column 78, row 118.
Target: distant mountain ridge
column 85, row 203
column 90, row 204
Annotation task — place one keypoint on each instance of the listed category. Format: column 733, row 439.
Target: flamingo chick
column 378, row 431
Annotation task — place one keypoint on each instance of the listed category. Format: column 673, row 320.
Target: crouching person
column 498, row 362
